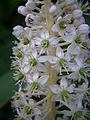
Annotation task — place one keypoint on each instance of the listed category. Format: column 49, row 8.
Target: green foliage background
column 8, row 19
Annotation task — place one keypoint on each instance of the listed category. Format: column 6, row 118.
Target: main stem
column 52, row 75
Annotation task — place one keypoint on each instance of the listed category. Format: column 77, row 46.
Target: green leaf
column 7, row 87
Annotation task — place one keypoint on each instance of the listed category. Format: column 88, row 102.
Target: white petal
column 55, row 89
column 59, row 52
column 42, row 80
column 31, row 102
column 44, row 35
column 73, row 76
column 34, row 53
column 73, row 49
column 35, row 76
column 36, row 111
column 32, row 43
column 69, row 38
column 59, row 19
column 37, row 40
column 54, row 41
column 52, row 59
column 55, row 28
column 68, row 17
column 18, row 27
column 63, row 83
column 74, row 67
column 41, row 68
column 26, row 68
column 43, row 59
column 70, row 89
column 79, row 61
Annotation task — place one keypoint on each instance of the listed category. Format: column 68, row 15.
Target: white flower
column 22, row 34
column 18, row 99
column 73, row 51
column 46, row 42
column 65, row 30
column 62, row 92
column 36, row 83
column 59, row 61
column 33, row 62
column 78, row 69
column 29, row 109
column 31, row 19
column 77, row 111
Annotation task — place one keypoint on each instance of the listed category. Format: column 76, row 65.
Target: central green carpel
column 27, row 109
column 26, row 41
column 64, row 94
column 45, row 43
column 32, row 62
column 87, row 61
column 77, row 115
column 35, row 85
column 62, row 62
column 78, row 40
column 85, row 45
column 62, row 25
column 19, row 54
column 17, row 96
column 82, row 72
column 19, row 75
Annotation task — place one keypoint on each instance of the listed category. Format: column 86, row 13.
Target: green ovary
column 82, row 72
column 33, row 62
column 27, row 109
column 35, row 85
column 45, row 43
column 77, row 115
column 62, row 25
column 26, row 41
column 78, row 40
column 19, row 54
column 62, row 62
column 19, row 75
column 64, row 94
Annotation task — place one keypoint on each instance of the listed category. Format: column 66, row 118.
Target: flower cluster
column 51, row 63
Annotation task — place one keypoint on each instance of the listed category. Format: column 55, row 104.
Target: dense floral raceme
column 51, row 61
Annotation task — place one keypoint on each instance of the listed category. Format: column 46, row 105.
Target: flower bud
column 53, row 10
column 30, row 5
column 77, row 14
column 22, row 10
column 18, row 27
column 83, row 29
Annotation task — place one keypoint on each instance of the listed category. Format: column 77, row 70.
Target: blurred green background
column 8, row 19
